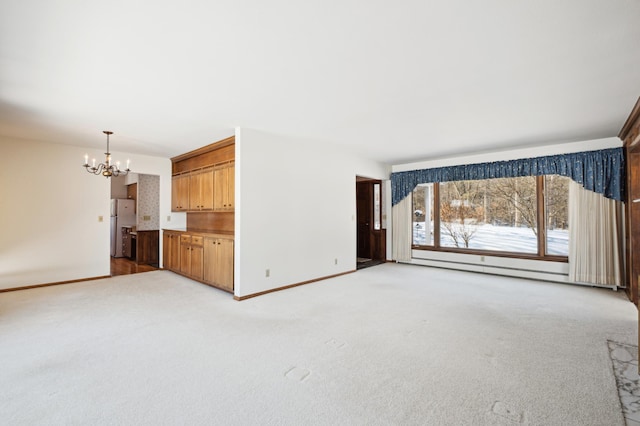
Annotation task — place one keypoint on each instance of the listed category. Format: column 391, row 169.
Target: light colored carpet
column 393, row 344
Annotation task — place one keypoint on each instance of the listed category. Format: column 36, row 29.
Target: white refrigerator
column 123, row 213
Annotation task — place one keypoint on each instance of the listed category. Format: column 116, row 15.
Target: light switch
column 100, row 219
column 146, row 218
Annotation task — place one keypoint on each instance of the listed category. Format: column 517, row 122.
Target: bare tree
column 515, row 197
column 460, row 210
column 556, row 190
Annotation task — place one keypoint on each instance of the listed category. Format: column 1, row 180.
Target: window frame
column 541, row 232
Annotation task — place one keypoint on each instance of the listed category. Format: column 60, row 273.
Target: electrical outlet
column 100, row 218
column 168, row 218
column 146, row 217
column 267, row 273
column 481, row 258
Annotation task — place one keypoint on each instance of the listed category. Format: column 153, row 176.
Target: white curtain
column 595, row 238
column 402, row 231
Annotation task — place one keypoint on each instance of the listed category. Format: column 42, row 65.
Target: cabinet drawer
column 185, row 238
column 196, row 240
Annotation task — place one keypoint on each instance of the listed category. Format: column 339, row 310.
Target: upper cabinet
column 224, row 187
column 180, row 193
column 204, row 179
column 201, row 190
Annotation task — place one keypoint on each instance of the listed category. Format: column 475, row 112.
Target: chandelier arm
column 107, row 169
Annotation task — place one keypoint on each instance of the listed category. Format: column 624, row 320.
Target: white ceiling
column 394, row 81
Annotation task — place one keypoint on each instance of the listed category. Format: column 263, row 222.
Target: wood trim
column 29, row 287
column 541, row 217
column 541, row 238
column 219, row 156
column 203, row 150
column 631, row 120
column 436, row 215
column 549, row 258
column 249, row 296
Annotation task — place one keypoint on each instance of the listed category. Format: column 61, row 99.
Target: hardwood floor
column 124, row 266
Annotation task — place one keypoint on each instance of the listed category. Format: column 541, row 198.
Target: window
column 422, row 224
column 494, row 215
column 376, row 207
column 556, row 202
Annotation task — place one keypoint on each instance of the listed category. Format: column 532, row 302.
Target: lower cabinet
column 207, row 258
column 191, row 252
column 171, row 250
column 218, row 266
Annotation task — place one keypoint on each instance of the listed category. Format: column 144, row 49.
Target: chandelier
column 105, row 169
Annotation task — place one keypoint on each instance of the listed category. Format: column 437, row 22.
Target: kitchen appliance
column 123, row 213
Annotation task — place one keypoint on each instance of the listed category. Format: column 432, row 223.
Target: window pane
column 376, row 206
column 556, row 200
column 491, row 214
column 423, row 215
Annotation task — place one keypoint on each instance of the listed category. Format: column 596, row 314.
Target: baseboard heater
column 515, row 272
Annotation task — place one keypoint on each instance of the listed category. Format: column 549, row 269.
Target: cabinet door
column 196, row 257
column 224, row 264
column 209, row 259
column 185, row 254
column 174, row 252
column 166, row 250
column 170, row 251
column 201, row 190
column 206, row 189
column 220, row 196
column 231, row 186
column 224, row 181
column 180, row 193
column 194, row 191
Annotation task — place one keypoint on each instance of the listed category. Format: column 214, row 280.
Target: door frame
column 375, row 234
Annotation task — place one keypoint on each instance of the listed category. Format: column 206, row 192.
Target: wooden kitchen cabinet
column 171, row 250
column 201, row 189
column 191, row 256
column 224, row 192
column 204, row 257
column 218, row 262
column 147, row 247
column 180, row 193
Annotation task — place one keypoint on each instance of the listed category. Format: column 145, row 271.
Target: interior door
column 371, row 234
column 364, row 206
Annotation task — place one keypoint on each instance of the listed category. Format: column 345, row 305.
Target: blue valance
column 601, row 171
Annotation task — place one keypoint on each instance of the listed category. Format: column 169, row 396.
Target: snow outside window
column 498, row 215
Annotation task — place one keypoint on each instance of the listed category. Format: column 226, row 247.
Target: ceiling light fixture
column 105, row 169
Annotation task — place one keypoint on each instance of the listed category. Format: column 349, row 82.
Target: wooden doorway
column 371, row 245
column 630, row 135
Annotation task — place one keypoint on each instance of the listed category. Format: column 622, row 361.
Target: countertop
column 216, row 234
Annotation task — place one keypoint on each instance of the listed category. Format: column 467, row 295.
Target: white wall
column 118, row 188
column 295, row 210
column 536, row 269
column 50, row 209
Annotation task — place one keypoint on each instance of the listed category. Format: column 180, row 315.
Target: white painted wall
column 295, row 210
column 50, row 209
column 118, row 187
column 536, row 269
